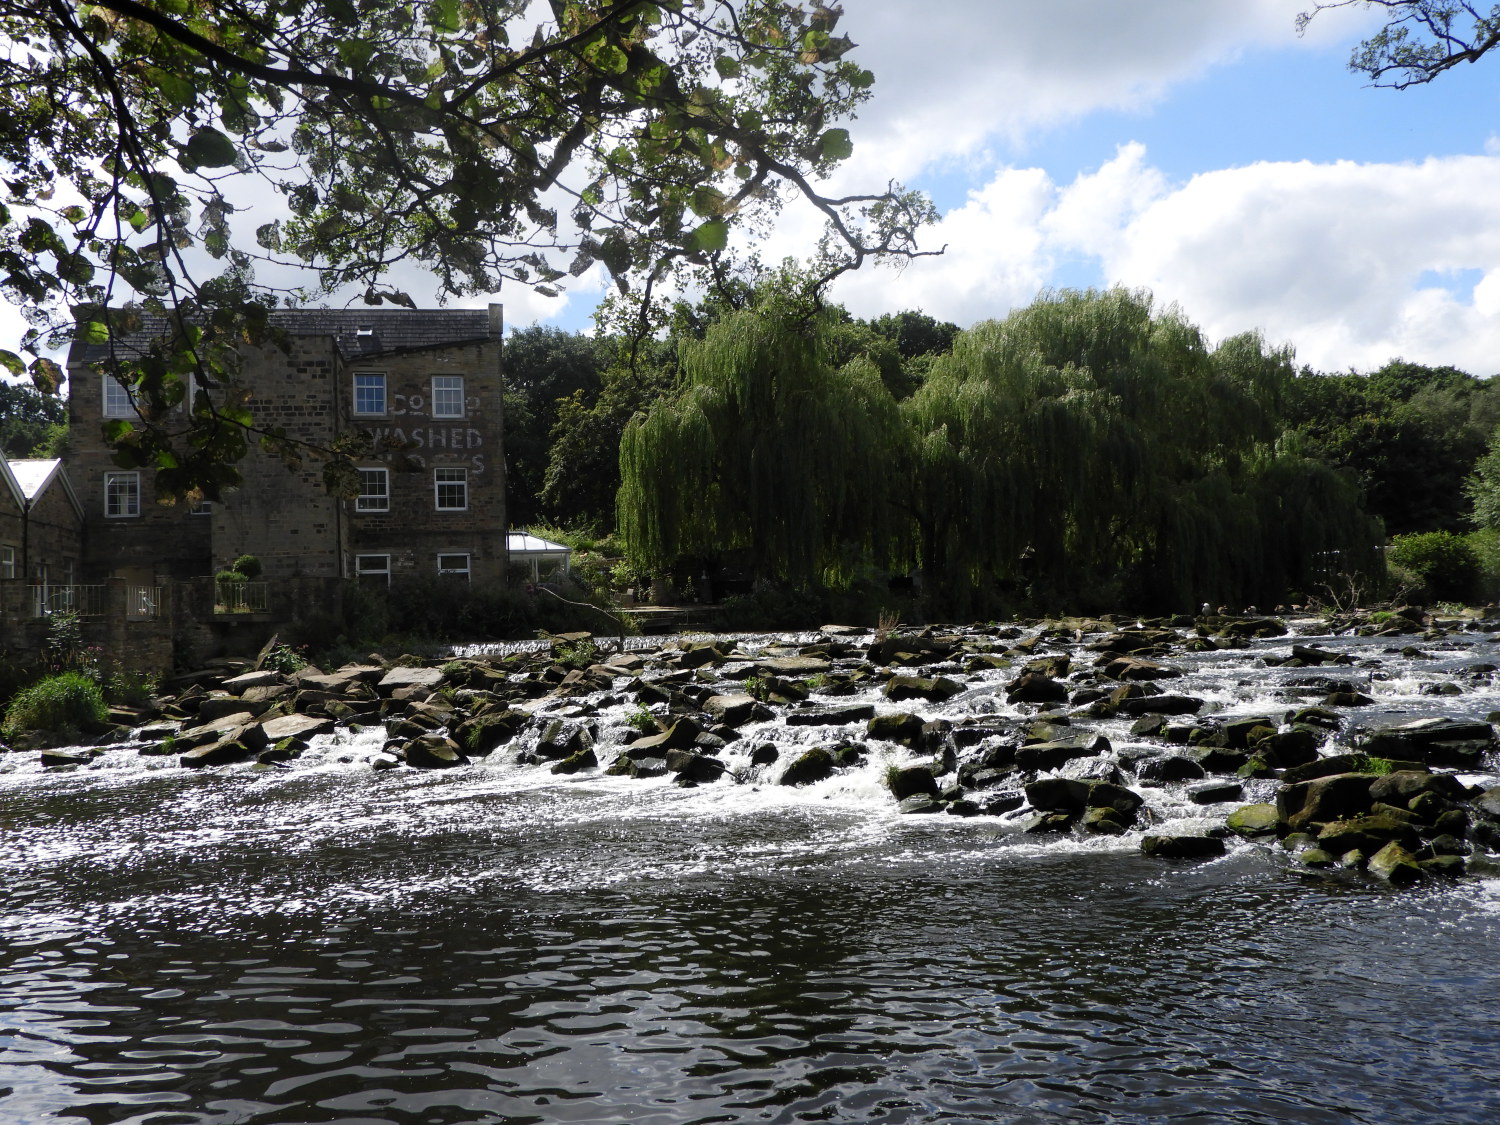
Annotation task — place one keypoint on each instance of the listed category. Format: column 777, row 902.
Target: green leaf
column 444, row 15
column 607, row 57
column 209, row 148
column 95, row 332
column 356, row 53
column 46, row 376
column 178, row 90
column 707, row 202
column 835, row 145
column 711, row 236
column 727, row 67
column 12, row 362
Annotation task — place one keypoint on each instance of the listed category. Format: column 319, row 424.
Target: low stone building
column 424, row 383
column 41, row 524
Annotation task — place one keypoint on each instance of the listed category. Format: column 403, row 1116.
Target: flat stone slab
column 341, row 680
column 398, row 678
column 832, row 716
column 218, row 728
column 794, row 665
column 238, row 685
column 294, row 726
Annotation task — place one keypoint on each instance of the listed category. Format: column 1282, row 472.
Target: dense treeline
column 1090, row 451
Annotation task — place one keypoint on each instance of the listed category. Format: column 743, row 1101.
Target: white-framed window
column 7, row 561
column 369, row 392
column 374, row 491
column 447, row 396
column 118, row 401
column 373, row 569
column 122, row 495
column 456, row 565
column 452, row 489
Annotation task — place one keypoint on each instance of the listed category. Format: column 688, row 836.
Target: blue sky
column 1198, row 148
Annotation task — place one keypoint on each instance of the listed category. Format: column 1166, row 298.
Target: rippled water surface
column 495, row 944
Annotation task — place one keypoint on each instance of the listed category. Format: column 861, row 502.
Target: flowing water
column 329, row 943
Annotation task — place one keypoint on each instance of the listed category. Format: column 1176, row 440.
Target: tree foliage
column 1420, row 39
column 1087, row 451
column 583, row 465
column 1410, row 434
column 768, row 454
column 544, row 367
column 1483, row 487
column 1442, row 562
column 28, row 420
column 461, row 136
column 1089, row 446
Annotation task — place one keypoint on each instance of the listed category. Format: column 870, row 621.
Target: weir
column 328, row 939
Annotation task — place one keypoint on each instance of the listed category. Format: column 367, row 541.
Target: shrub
column 67, row 701
column 133, row 689
column 249, row 566
column 285, row 659
column 1443, row 562
column 642, row 720
column 1486, row 547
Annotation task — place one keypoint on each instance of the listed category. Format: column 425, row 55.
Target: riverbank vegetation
column 1090, row 452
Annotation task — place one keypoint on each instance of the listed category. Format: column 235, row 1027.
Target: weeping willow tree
column 1089, row 451
column 768, row 454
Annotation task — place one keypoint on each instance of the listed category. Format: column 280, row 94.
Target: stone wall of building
column 54, row 537
column 284, row 515
column 459, row 519
column 146, row 540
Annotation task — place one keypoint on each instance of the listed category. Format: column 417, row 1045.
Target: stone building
column 41, row 524
column 427, row 381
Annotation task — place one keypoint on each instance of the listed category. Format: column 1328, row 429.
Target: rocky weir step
column 1183, row 737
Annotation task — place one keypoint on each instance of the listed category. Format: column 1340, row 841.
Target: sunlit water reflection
column 495, row 944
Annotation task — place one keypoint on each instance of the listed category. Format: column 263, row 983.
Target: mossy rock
column 583, row 760
column 1253, row 821
column 811, row 766
column 1396, row 865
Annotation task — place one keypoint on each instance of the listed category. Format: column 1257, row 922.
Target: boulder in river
column 1396, row 865
column 1460, row 743
column 1252, row 821
column 1035, row 687
column 905, row 781
column 809, row 767
column 1323, row 799
column 1182, row 847
column 935, row 689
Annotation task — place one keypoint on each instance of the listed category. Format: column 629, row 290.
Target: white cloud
column 954, row 77
column 1330, row 257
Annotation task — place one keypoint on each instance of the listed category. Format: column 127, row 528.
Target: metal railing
column 242, row 597
column 142, row 602
column 85, row 601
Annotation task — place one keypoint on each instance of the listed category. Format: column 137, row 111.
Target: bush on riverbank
column 67, row 701
column 1441, row 565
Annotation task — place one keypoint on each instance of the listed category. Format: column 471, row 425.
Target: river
column 497, row 944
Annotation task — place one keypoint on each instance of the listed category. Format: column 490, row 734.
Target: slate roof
column 356, row 332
